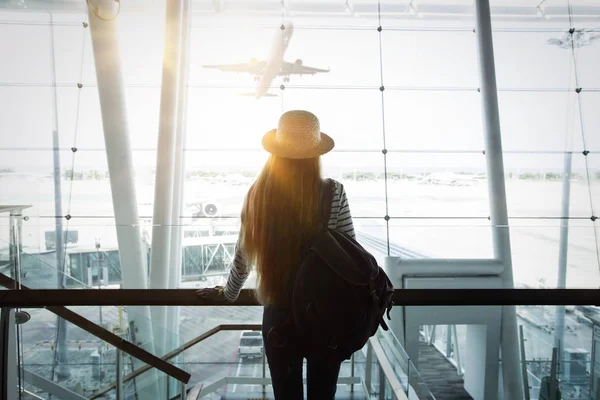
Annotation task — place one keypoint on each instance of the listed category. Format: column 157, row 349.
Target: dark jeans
column 285, row 362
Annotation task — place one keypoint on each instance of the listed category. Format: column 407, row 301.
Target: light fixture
column 21, row 317
column 575, row 38
column 412, row 9
column 349, row 8
column 541, row 10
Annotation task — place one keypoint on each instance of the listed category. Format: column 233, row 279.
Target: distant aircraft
column 450, row 179
column 265, row 71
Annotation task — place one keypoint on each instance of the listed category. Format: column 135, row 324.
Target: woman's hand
column 214, row 294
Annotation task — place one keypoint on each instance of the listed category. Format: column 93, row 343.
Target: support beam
column 113, row 108
column 176, row 250
column 62, row 368
column 513, row 388
column 160, row 261
column 559, row 331
column 50, row 387
column 8, row 354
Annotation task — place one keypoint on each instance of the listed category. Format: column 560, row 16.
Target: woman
column 280, row 216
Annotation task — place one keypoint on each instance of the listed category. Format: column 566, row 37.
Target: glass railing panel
column 578, row 352
column 224, row 365
column 226, row 354
column 223, row 362
column 575, row 343
column 404, row 369
column 64, row 353
column 417, row 388
column 85, row 364
column 394, row 353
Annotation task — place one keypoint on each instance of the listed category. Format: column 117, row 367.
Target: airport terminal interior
column 467, row 138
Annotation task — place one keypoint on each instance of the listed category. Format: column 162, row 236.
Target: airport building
column 467, row 138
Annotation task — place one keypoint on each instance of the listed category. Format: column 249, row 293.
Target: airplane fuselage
column 274, row 63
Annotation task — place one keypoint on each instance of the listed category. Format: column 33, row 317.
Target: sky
column 430, row 110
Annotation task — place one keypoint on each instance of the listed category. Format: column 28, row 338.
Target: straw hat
column 298, row 136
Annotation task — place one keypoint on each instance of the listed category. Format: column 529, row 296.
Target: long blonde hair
column 281, row 214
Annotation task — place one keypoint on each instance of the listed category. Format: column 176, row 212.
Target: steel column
column 63, row 369
column 497, row 194
column 524, row 364
column 111, row 91
column 119, row 377
column 561, row 283
column 176, row 250
column 5, row 353
column 160, row 262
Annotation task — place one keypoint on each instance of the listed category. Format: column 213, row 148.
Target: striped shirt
column 340, row 220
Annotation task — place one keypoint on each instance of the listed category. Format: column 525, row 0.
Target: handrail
column 187, row 297
column 383, row 361
column 388, row 370
column 179, row 350
column 101, row 333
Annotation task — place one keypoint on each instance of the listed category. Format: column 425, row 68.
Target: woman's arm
column 237, row 274
column 344, row 222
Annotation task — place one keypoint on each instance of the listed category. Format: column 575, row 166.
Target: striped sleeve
column 341, row 218
column 237, row 274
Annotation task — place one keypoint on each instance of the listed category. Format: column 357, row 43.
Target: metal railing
column 44, row 298
column 178, row 351
column 374, row 351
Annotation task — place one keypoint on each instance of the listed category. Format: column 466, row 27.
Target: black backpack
column 340, row 294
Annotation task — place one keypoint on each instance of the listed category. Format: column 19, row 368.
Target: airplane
column 266, row 71
column 449, row 178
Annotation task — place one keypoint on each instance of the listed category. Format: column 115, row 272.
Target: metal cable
column 384, row 151
column 583, row 138
column 74, row 148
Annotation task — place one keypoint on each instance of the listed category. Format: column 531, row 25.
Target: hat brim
column 271, row 145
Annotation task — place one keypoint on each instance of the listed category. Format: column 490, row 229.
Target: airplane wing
column 253, row 94
column 254, row 68
column 297, row 68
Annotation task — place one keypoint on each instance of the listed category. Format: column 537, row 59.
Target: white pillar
column 513, row 387
column 559, row 326
column 178, row 179
column 120, row 165
column 160, row 262
column 62, row 370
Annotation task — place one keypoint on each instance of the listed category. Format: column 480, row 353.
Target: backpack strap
column 326, row 200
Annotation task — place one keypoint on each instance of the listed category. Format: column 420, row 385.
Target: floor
column 437, row 372
column 440, row 375
column 340, row 395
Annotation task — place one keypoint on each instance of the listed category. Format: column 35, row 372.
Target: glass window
column 411, row 156
column 422, row 120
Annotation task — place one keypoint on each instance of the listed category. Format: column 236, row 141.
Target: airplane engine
column 210, row 209
column 204, row 209
column 298, row 65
